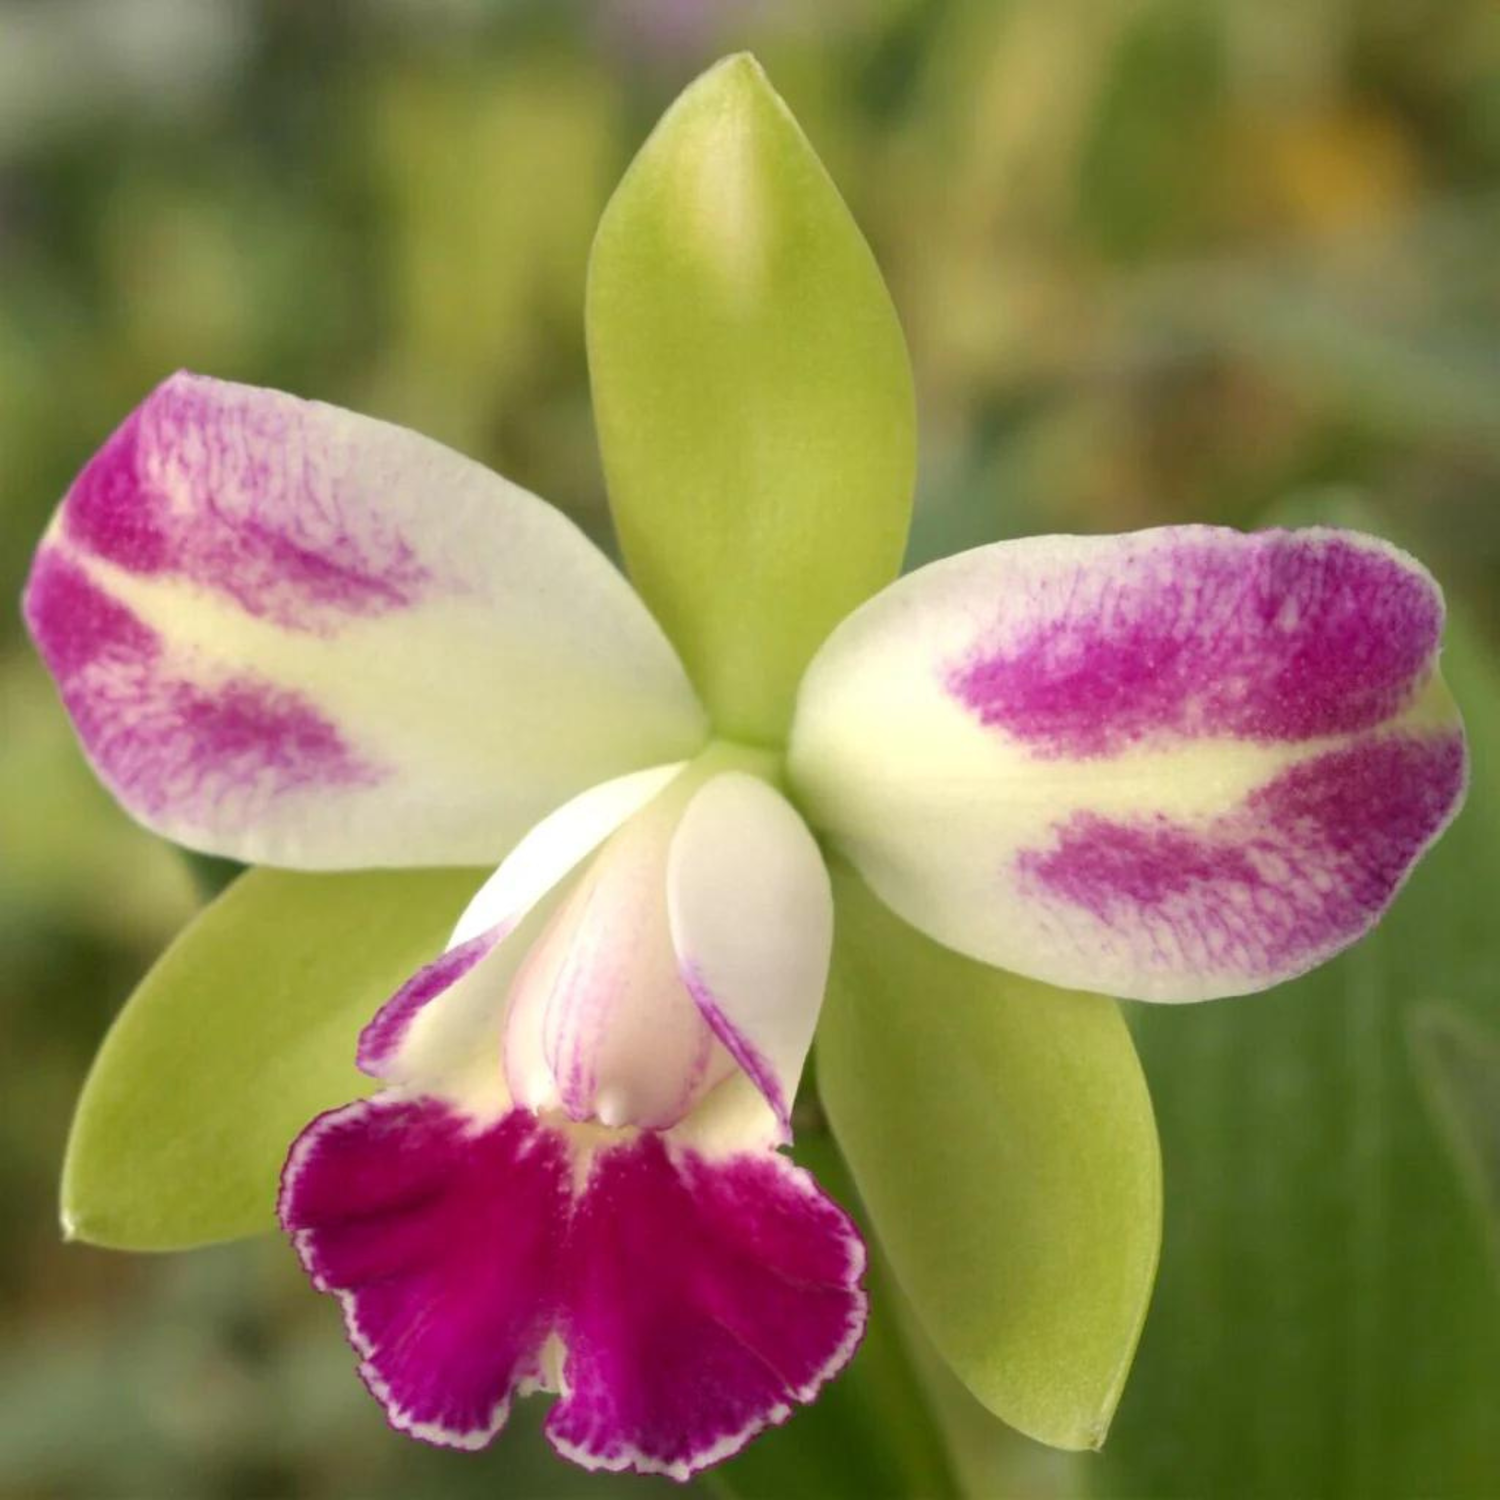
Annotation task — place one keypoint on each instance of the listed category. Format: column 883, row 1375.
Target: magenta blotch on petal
column 222, row 748
column 1088, row 760
column 1268, row 889
column 241, row 493
column 681, row 1303
column 329, row 622
column 1194, row 631
column 77, row 626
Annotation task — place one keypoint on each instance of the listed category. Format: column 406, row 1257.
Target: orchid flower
column 1169, row 766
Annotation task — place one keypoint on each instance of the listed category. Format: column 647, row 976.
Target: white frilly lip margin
column 630, row 1459
column 397, row 1415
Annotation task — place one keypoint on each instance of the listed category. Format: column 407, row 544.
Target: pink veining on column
column 600, row 1025
column 1300, row 868
column 237, row 493
column 1280, row 636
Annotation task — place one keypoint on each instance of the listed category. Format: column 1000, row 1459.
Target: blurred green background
column 1157, row 260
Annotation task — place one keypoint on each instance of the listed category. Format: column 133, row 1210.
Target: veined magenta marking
column 1281, row 636
column 164, row 742
column 600, row 1024
column 76, row 625
column 238, row 492
column 1303, row 866
column 108, row 512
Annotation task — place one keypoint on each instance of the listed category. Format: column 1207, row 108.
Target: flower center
column 602, row 1028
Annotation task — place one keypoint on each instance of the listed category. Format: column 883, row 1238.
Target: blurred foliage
column 1157, row 260
column 1459, row 1064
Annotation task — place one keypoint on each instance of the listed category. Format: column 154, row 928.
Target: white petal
column 303, row 637
column 1172, row 765
column 752, row 925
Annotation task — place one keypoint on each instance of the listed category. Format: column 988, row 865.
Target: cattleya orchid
column 1169, row 766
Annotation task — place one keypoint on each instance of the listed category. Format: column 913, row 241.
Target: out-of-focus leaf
column 1148, row 132
column 491, row 180
column 752, row 395
column 1459, row 1064
column 1001, row 1137
column 1338, row 319
column 243, row 1031
column 870, row 1435
column 1326, row 1319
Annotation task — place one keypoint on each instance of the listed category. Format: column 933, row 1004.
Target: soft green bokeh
column 1458, row 1062
column 752, row 396
column 243, row 1031
column 1001, row 1137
